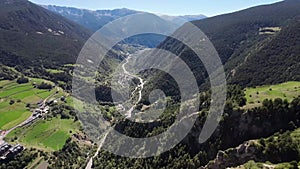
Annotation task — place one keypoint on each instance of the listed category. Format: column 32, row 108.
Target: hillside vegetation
column 276, row 60
column 33, row 36
column 249, row 58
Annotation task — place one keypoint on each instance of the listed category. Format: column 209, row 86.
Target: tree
column 11, row 102
column 44, row 85
column 22, row 80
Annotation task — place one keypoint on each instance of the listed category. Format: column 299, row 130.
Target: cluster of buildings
column 8, row 151
column 38, row 113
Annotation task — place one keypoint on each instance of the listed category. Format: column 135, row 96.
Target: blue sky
column 171, row 7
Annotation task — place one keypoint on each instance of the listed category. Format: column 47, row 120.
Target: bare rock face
column 234, row 156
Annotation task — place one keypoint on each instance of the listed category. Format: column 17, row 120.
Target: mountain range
column 258, row 46
column 180, row 20
column 94, row 20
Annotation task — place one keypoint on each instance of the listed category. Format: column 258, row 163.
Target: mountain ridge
column 32, row 37
column 95, row 19
column 234, row 34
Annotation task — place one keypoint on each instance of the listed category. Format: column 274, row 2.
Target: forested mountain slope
column 238, row 35
column 31, row 35
column 276, row 60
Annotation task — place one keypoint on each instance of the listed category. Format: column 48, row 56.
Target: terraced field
column 13, row 100
column 13, row 115
column 50, row 134
column 255, row 96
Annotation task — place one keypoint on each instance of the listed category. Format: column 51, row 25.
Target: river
column 128, row 114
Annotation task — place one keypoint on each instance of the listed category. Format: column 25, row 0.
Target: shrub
column 11, row 102
column 44, row 86
column 22, row 80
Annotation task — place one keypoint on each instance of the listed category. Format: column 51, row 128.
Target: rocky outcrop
column 234, row 156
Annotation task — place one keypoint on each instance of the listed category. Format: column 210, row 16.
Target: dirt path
column 42, row 165
column 90, row 163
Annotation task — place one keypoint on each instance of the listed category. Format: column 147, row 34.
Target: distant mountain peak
column 181, row 19
column 292, row 0
column 91, row 19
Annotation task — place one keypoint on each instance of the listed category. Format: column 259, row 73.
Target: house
column 35, row 114
column 13, row 151
column 63, row 98
column 46, row 109
column 38, row 111
column 4, row 148
column 40, row 102
column 50, row 102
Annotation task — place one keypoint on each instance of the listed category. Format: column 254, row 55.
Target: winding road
column 90, row 163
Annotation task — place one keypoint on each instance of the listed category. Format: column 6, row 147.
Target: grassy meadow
column 49, row 135
column 256, row 95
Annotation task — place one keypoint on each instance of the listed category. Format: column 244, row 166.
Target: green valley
column 50, row 119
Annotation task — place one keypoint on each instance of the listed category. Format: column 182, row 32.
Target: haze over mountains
column 258, row 46
column 94, row 20
column 180, row 20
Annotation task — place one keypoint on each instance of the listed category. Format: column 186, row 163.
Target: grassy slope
column 11, row 115
column 53, row 71
column 288, row 90
column 256, row 165
column 47, row 134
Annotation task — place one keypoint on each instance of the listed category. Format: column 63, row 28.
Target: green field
column 12, row 115
column 255, row 96
column 49, row 135
column 258, row 165
column 54, row 71
column 22, row 94
column 76, row 103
